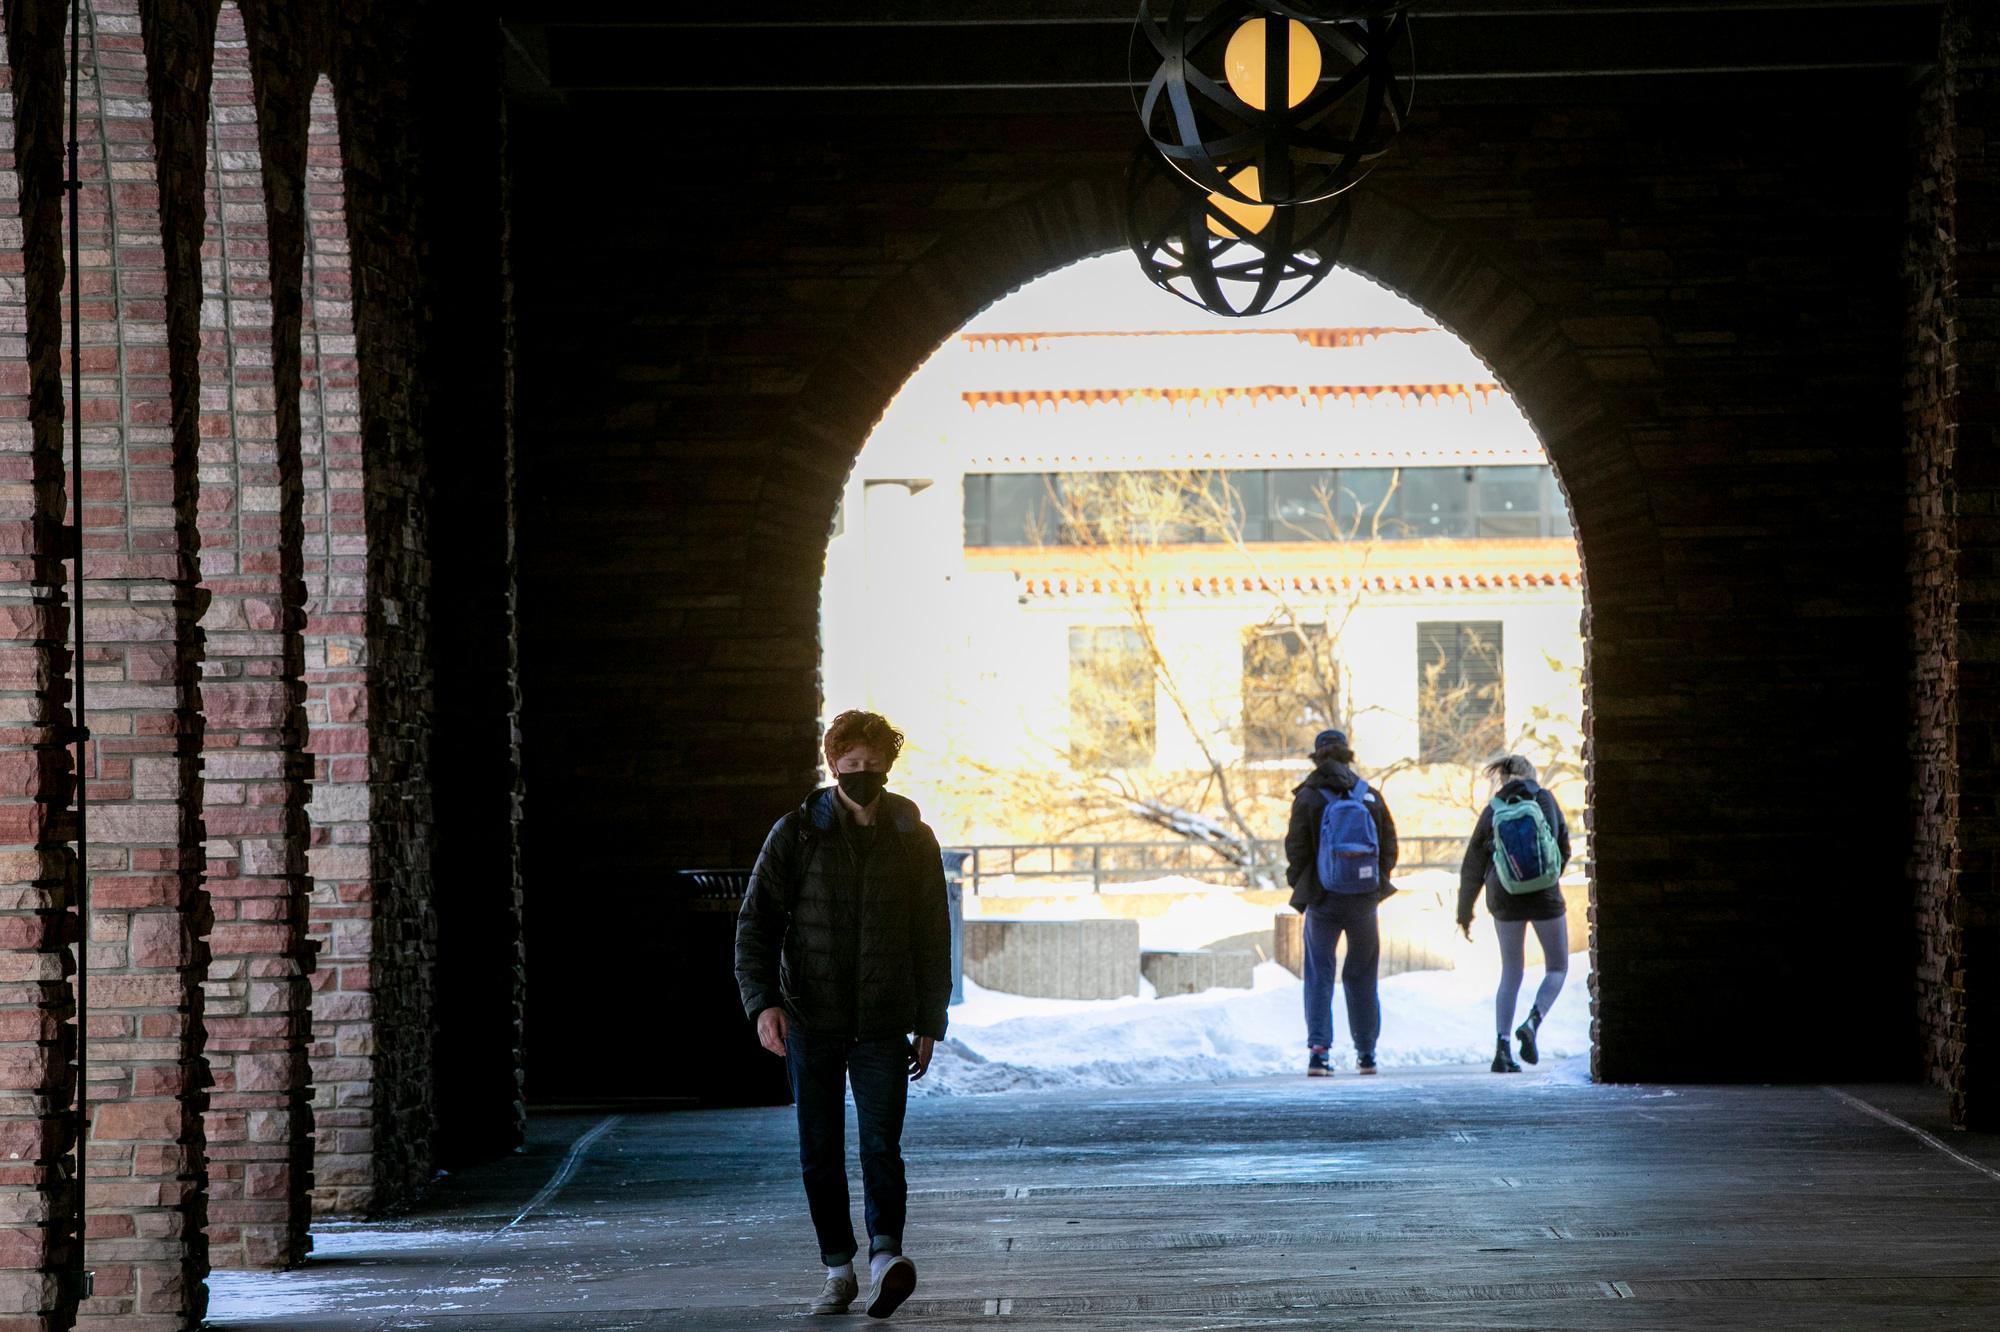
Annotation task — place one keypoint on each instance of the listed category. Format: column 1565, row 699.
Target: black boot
column 1525, row 1034
column 1503, row 1059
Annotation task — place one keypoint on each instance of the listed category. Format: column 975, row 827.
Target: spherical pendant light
column 1210, row 108
column 1333, row 11
column 1227, row 253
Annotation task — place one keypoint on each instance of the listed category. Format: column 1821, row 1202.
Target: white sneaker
column 893, row 1284
column 838, row 1294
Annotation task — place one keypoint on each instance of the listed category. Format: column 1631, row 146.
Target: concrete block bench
column 1406, row 945
column 1196, row 970
column 1054, row 959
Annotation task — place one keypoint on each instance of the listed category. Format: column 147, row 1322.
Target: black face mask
column 862, row 787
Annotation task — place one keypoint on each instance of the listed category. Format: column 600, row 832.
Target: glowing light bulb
column 1243, row 63
column 1252, row 217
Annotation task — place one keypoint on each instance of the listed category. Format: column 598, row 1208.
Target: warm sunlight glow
column 1252, row 217
column 1243, row 63
column 1158, row 551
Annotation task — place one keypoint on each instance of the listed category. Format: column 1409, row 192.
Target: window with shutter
column 1461, row 691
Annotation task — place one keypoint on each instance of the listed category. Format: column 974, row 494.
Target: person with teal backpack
column 1517, row 853
column 1340, row 849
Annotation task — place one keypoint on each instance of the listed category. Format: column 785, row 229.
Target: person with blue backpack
column 1339, row 852
column 1517, row 853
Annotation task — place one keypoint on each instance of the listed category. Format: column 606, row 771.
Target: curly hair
column 854, row 728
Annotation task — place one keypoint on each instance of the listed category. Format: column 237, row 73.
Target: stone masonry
column 149, row 914
column 255, row 547
column 37, row 863
column 1952, row 405
column 259, row 1122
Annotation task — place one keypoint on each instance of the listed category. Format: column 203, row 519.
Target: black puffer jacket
column 1302, row 837
column 847, row 944
column 1477, row 867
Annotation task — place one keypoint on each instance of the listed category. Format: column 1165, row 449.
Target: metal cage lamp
column 1213, row 110
column 1229, row 257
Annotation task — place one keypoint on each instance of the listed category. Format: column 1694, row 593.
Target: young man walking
column 1339, row 852
column 843, row 951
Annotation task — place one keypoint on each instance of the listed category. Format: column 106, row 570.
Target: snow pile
column 1001, row 1042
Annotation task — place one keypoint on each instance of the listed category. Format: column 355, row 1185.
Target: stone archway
column 1617, row 533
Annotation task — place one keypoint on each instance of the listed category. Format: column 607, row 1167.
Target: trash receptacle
column 954, row 887
column 725, row 1063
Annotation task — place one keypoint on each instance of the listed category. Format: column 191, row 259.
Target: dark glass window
column 1286, row 504
column 1509, row 489
column 1249, row 495
column 1510, row 525
column 1555, row 505
column 1437, row 501
column 1290, row 690
column 1110, row 699
column 1461, row 691
column 1009, row 509
column 975, row 510
column 1299, row 502
column 1371, row 504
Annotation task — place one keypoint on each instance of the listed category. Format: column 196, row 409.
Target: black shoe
column 1364, row 1063
column 1318, row 1066
column 1503, row 1059
column 1525, row 1034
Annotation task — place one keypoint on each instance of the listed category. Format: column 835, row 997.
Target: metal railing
column 1102, row 863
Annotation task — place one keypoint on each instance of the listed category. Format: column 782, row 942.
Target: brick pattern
column 336, row 572
column 149, row 914
column 37, row 865
column 224, row 222
column 259, row 1121
column 1972, row 69
column 382, row 196
column 1952, row 397
column 1934, row 586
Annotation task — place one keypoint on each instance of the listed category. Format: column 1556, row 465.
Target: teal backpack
column 1525, row 854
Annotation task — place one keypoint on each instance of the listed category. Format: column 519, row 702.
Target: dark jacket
column 1477, row 867
column 1302, row 837
column 847, row 943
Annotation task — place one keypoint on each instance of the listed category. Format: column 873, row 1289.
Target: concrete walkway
column 1441, row 1199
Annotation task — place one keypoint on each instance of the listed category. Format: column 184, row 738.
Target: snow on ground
column 1001, row 1042
column 362, row 1276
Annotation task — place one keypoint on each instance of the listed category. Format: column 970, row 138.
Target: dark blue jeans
column 1352, row 914
column 821, row 1069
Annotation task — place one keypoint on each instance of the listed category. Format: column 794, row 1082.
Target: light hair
column 1509, row 767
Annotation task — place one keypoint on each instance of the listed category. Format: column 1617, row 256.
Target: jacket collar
column 822, row 810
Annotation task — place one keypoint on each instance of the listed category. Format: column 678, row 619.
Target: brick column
column 259, row 1121
column 336, row 648
column 149, row 913
column 1953, row 418
column 37, row 866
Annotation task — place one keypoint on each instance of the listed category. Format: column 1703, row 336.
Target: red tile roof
column 1224, row 586
column 976, row 398
column 1312, row 337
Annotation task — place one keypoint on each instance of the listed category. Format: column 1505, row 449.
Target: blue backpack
column 1349, row 853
